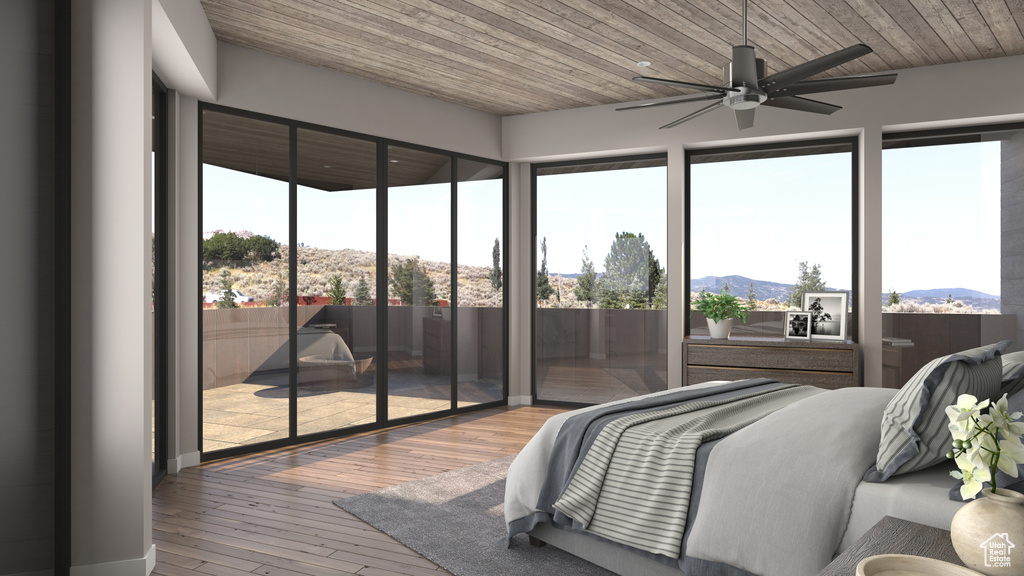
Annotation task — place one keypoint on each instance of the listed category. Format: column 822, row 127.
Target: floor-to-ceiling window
column 246, row 364
column 158, row 290
column 768, row 224
column 420, row 282
column 952, row 202
column 336, row 232
column 480, row 253
column 334, row 269
column 600, row 321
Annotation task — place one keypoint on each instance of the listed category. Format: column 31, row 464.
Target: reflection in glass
column 601, row 319
column 481, row 322
column 245, row 281
column 337, row 279
column 419, row 281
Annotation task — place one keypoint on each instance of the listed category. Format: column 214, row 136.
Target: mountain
column 740, row 285
column 957, row 293
column 974, row 298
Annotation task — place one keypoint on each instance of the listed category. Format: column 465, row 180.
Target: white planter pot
column 986, row 531
column 720, row 330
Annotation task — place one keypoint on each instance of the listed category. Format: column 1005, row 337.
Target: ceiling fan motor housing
column 740, row 74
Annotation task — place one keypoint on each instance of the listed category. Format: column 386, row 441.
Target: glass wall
column 337, row 278
column 419, row 282
column 768, row 224
column 951, row 267
column 245, row 281
column 600, row 320
column 334, row 266
column 480, row 310
column 158, row 289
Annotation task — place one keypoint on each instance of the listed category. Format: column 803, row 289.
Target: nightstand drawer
column 829, row 360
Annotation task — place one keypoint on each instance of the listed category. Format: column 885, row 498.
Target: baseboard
column 187, row 460
column 134, row 567
column 520, row 400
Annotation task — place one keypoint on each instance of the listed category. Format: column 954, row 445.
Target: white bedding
column 758, row 515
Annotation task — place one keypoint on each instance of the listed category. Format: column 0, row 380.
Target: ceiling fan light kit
column 747, row 85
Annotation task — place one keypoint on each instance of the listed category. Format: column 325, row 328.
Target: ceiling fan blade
column 694, row 98
column 692, row 115
column 780, row 80
column 801, row 104
column 745, row 118
column 744, row 66
column 831, row 84
column 679, row 84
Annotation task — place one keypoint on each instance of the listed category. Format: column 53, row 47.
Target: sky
column 941, row 226
column 761, row 218
column 586, row 209
column 755, row 218
column 419, row 215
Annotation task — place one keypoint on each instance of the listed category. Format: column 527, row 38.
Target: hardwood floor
column 272, row 513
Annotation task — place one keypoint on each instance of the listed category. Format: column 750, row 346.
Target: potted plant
column 720, row 310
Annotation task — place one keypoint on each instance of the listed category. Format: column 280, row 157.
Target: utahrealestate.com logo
column 997, row 551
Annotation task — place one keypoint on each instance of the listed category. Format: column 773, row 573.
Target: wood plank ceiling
column 520, row 56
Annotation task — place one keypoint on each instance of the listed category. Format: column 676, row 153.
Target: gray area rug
column 456, row 519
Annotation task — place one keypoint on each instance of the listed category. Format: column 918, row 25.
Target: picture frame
column 828, row 314
column 798, row 325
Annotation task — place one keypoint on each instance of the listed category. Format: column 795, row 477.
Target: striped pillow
column 915, row 433
column 1013, row 373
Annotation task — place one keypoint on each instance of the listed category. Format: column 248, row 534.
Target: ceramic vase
column 988, row 533
column 720, row 330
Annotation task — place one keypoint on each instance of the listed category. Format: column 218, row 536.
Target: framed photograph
column 828, row 312
column 798, row 325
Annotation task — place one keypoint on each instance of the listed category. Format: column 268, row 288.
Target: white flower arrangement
column 983, row 443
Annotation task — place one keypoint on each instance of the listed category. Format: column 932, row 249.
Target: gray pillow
column 1015, row 403
column 1013, row 373
column 915, row 433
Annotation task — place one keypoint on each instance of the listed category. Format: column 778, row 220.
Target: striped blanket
column 633, row 484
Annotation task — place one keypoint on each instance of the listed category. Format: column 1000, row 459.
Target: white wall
column 184, row 48
column 253, row 81
column 982, row 92
column 111, row 382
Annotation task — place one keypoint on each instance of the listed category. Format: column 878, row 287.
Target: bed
column 742, row 478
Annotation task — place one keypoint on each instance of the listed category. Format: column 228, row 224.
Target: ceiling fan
column 746, row 87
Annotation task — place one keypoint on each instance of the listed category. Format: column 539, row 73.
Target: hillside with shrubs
column 264, row 276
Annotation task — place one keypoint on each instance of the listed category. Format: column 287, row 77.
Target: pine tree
column 751, row 298
column 894, row 298
column 336, row 291
column 808, row 280
column 362, row 295
column 410, row 283
column 586, row 282
column 227, row 293
column 544, row 289
column 495, row 275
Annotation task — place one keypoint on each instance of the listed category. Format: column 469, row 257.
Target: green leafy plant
column 718, row 307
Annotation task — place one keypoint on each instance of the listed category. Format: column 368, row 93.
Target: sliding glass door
column 600, row 317
column 334, row 268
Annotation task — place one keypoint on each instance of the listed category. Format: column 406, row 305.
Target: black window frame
column 534, row 168
column 855, row 199
column 382, row 420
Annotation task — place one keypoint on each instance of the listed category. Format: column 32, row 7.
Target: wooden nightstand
column 895, row 536
column 823, row 364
